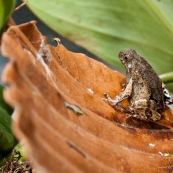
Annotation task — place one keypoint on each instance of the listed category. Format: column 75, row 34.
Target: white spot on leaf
column 90, row 91
column 164, row 154
column 152, row 145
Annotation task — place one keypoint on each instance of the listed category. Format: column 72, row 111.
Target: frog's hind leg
column 146, row 114
column 140, row 116
column 139, row 113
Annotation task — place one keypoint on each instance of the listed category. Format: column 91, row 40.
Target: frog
column 146, row 92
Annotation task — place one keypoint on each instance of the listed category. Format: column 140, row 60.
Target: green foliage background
column 106, row 27
column 7, row 139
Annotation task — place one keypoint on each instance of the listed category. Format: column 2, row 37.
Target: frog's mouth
column 123, row 62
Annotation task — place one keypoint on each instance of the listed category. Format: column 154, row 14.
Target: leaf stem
column 167, row 77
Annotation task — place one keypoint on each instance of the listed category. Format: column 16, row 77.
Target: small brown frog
column 148, row 95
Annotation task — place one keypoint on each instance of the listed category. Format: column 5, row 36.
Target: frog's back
column 153, row 82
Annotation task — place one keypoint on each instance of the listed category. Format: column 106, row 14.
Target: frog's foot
column 110, row 100
column 116, row 105
column 121, row 108
column 140, row 116
column 155, row 116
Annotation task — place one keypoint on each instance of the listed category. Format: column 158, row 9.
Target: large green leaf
column 106, row 27
column 6, row 8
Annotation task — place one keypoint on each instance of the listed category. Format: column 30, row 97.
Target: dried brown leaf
column 43, row 79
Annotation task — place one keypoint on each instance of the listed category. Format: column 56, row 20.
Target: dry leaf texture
column 47, row 83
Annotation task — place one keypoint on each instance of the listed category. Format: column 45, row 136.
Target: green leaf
column 3, row 104
column 106, row 27
column 6, row 9
column 7, row 139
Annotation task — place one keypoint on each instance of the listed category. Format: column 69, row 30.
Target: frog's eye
column 125, row 58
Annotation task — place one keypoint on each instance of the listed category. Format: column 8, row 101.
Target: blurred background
column 105, row 28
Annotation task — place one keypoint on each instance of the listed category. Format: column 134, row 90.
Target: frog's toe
column 107, row 95
column 129, row 115
column 110, row 100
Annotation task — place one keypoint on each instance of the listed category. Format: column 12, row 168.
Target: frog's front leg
column 123, row 95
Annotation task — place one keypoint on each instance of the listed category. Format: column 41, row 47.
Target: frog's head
column 127, row 57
